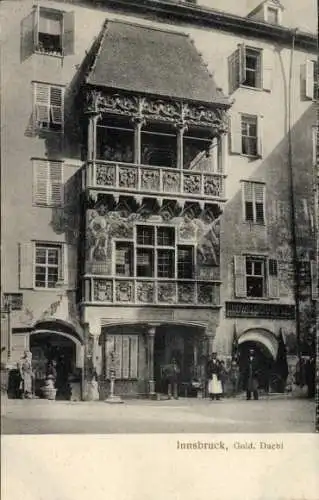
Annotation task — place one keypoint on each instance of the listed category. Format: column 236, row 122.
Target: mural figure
column 208, row 248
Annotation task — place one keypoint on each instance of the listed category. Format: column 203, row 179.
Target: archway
column 185, row 343
column 265, row 346
column 60, row 343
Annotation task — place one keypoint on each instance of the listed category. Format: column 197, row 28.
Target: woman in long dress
column 26, row 373
column 215, row 388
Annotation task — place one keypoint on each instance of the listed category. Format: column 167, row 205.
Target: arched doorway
column 51, row 341
column 184, row 343
column 265, row 346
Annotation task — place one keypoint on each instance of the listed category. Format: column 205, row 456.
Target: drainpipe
column 292, row 193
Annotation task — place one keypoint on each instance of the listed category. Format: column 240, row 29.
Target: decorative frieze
column 137, row 291
column 259, row 310
column 136, row 178
column 154, row 109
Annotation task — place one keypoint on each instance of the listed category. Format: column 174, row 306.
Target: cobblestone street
column 138, row 416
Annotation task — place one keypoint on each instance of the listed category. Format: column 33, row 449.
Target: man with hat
column 251, row 380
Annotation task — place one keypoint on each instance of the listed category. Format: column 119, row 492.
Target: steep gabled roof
column 148, row 60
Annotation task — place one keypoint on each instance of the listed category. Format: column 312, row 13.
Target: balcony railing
column 128, row 177
column 153, row 292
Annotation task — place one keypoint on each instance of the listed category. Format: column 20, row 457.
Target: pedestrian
column 310, row 375
column 215, row 389
column 26, row 374
column 234, row 377
column 172, row 372
column 250, row 378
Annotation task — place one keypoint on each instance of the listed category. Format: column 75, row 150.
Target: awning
column 148, row 60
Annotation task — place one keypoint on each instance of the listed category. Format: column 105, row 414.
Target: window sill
column 251, row 157
column 253, row 223
column 247, row 87
column 50, row 54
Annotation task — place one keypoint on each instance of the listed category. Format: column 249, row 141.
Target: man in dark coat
column 172, row 372
column 250, row 376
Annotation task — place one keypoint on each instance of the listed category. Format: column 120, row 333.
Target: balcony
column 126, row 178
column 147, row 291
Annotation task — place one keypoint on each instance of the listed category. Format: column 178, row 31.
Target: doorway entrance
column 182, row 343
column 264, row 361
column 49, row 346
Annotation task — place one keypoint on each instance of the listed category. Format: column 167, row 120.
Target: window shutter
column 41, row 178
column 42, row 103
column 314, row 267
column 126, row 356
column 28, row 25
column 267, row 68
column 242, row 63
column 118, row 356
column 260, row 135
column 233, row 71
column 240, row 276
column 36, row 24
column 56, row 105
column 273, row 282
column 134, row 356
column 235, row 133
column 70, row 266
column 308, row 79
column 26, row 266
column 68, row 33
column 56, row 183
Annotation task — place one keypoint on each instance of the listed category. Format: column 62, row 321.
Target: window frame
column 36, row 162
column 155, row 249
column 248, row 117
column 257, row 53
column 60, row 266
column 36, row 88
column 276, row 11
column 263, row 276
column 59, row 13
column 254, row 203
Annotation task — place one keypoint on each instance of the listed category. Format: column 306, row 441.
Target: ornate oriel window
column 154, row 254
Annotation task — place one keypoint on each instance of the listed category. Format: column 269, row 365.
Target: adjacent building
column 157, row 189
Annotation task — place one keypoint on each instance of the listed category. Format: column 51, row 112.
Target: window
column 48, row 106
column 48, row 183
column 122, row 356
column 156, row 255
column 48, row 265
column 256, row 277
column 249, row 139
column 123, row 259
column 48, row 31
column 250, row 67
column 309, row 80
column 254, row 202
column 246, row 134
column 272, row 15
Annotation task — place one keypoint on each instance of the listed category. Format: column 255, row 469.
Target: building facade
column 157, row 165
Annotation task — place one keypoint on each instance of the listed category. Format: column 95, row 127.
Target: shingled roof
column 147, row 60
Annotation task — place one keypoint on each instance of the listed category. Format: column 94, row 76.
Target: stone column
column 92, row 126
column 222, row 153
column 150, row 361
column 179, row 151
column 138, row 124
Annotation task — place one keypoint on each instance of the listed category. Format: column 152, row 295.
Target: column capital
column 138, row 120
column 181, row 126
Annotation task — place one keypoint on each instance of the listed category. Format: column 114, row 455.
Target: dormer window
column 272, row 15
column 269, row 11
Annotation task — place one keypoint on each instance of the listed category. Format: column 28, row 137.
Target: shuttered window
column 121, row 354
column 254, row 202
column 309, row 80
column 48, row 106
column 256, row 277
column 48, row 183
column 48, row 31
column 246, row 134
column 250, row 67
